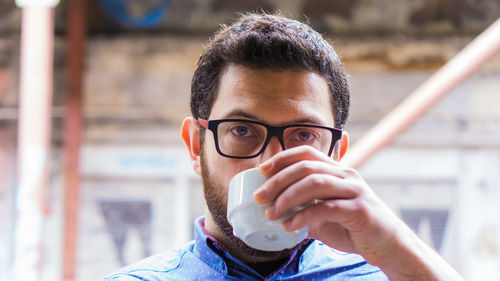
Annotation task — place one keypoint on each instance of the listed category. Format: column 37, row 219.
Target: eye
column 305, row 136
column 301, row 136
column 241, row 131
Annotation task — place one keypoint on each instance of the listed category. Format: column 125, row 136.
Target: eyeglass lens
column 242, row 139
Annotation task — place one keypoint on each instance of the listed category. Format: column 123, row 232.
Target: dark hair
column 272, row 42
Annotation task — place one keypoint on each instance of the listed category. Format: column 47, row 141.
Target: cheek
column 222, row 169
column 219, row 168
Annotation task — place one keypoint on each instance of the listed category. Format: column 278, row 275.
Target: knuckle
column 305, row 147
column 306, row 150
column 351, row 172
column 307, row 166
column 316, row 180
column 359, row 186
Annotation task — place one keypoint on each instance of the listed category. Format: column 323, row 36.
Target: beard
column 216, row 198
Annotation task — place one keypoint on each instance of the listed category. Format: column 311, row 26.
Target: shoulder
column 156, row 267
column 320, row 257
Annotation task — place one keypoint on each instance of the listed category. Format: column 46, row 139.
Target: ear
column 190, row 133
column 344, row 144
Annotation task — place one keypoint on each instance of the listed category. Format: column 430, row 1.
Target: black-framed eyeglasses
column 243, row 139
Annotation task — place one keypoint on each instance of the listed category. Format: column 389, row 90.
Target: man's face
column 274, row 97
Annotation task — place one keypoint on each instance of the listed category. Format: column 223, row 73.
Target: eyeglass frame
column 276, row 131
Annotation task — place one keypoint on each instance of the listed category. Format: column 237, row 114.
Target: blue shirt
column 205, row 259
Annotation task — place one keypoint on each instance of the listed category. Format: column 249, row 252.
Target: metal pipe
column 73, row 132
column 462, row 66
column 33, row 137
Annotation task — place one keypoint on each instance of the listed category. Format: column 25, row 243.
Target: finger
column 309, row 188
column 337, row 211
column 291, row 174
column 293, row 155
column 338, row 236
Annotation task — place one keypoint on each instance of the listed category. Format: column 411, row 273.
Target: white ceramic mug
column 249, row 221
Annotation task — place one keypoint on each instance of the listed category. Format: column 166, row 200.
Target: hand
column 346, row 214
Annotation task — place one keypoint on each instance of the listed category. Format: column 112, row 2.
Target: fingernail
column 259, row 195
column 265, row 166
column 270, row 212
column 287, row 225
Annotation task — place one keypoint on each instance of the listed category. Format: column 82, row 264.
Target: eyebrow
column 244, row 114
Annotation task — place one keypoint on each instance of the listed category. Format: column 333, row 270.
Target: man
column 264, row 71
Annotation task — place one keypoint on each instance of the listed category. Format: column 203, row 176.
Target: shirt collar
column 215, row 255
column 207, row 248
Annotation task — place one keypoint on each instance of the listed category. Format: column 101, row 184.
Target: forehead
column 273, row 96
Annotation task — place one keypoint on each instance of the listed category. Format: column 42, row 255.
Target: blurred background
column 118, row 184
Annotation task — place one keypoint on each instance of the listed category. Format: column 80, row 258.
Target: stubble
column 216, row 198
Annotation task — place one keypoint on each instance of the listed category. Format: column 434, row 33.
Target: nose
column 273, row 146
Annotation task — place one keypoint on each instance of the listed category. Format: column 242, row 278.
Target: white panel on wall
column 135, row 161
